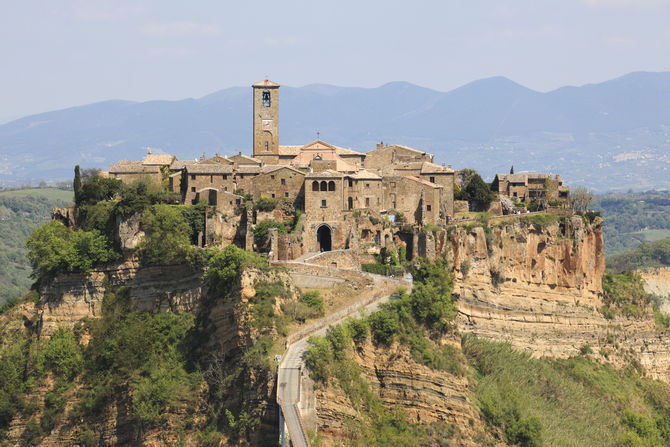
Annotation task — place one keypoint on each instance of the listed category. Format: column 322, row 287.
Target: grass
column 650, row 235
column 48, row 193
column 577, row 401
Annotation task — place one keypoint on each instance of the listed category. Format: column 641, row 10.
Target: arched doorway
column 324, row 240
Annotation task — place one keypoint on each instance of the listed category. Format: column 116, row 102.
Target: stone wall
column 285, row 183
column 344, row 259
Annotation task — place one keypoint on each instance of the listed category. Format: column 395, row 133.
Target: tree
column 167, row 236
column 76, row 185
column 478, row 191
column 465, row 175
column 580, row 198
column 54, row 249
column 511, row 170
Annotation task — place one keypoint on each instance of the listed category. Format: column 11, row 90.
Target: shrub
column 97, row 189
column 261, row 231
column 384, row 325
column 62, row 355
column 313, row 300
column 541, row 220
column 265, row 204
column 167, row 236
column 624, row 294
column 55, row 249
column 226, row 265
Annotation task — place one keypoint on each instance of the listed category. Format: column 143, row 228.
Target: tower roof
column 265, row 83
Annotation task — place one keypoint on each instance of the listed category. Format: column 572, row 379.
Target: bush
column 96, row 189
column 384, row 325
column 55, row 249
column 313, row 300
column 62, row 355
column 167, row 236
column 261, row 231
column 226, row 265
column 624, row 294
column 265, row 204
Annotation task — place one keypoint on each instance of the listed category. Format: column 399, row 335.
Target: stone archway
column 324, row 238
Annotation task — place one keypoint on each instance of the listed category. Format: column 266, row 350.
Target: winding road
column 291, row 365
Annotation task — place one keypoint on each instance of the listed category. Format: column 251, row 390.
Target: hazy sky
column 56, row 54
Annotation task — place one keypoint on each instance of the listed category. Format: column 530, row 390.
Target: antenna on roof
column 318, row 135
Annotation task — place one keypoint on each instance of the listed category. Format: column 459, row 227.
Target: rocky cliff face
column 536, row 286
column 224, row 321
column 71, row 297
column 539, row 288
column 423, row 394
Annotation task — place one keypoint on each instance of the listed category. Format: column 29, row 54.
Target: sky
column 60, row 54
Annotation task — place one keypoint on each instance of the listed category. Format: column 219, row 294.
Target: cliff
column 224, row 332
column 535, row 283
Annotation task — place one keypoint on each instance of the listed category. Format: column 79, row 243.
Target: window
column 266, row 98
column 432, row 179
column 192, row 188
column 315, row 185
column 331, row 186
column 266, row 146
column 324, row 203
column 351, row 183
column 324, row 186
column 273, row 196
column 225, row 176
column 272, row 177
column 192, row 176
column 514, row 194
column 367, row 185
column 367, row 202
column 428, row 208
column 377, row 200
column 351, row 203
column 283, row 181
column 211, row 179
column 285, row 194
column 237, row 201
column 392, row 184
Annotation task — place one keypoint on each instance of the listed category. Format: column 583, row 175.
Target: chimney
column 444, row 164
column 380, row 145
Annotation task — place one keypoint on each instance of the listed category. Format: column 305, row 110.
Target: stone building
column 207, row 175
column 431, row 172
column 282, row 182
column 416, row 199
column 363, row 190
column 528, row 187
column 385, row 156
column 129, row 171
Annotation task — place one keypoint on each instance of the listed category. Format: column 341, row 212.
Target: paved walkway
column 290, row 368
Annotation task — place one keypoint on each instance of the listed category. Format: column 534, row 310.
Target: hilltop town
column 332, row 198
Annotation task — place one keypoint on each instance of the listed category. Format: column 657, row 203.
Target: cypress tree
column 76, row 185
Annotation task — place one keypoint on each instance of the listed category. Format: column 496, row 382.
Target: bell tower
column 266, row 121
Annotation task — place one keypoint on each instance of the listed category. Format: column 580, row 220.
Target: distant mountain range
column 609, row 136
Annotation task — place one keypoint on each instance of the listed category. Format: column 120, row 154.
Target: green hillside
column 633, row 218
column 21, row 211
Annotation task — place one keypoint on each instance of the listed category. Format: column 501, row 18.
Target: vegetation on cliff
column 20, row 212
column 575, row 401
column 415, row 320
